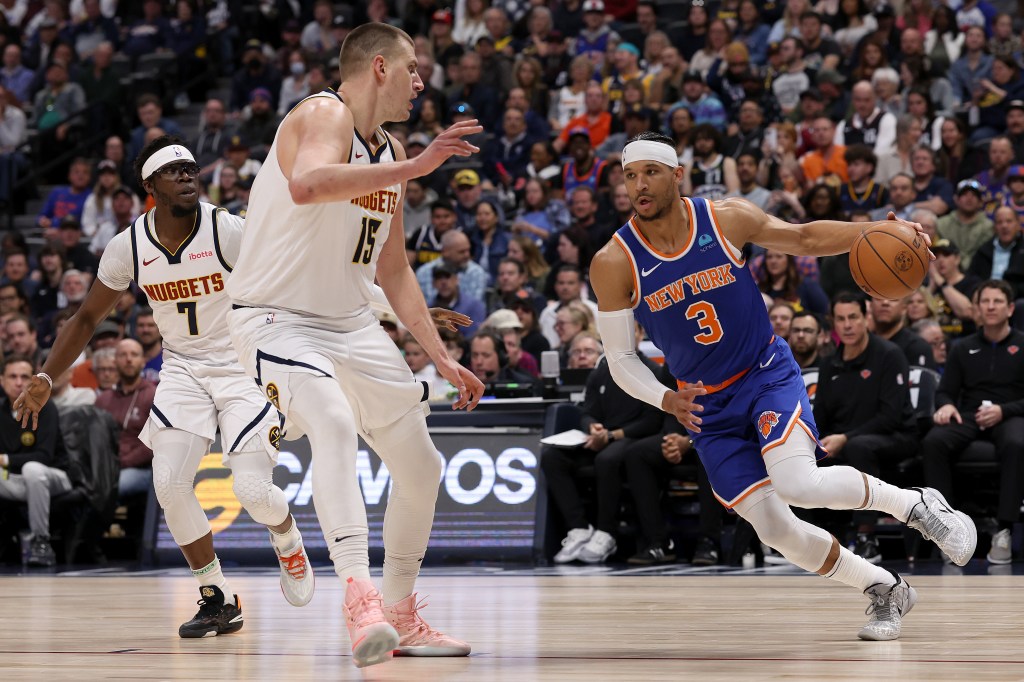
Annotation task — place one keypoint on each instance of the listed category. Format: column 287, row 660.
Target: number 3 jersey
column 186, row 287
column 700, row 306
column 321, row 258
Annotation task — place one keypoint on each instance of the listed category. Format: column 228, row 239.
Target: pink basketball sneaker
column 373, row 640
column 417, row 638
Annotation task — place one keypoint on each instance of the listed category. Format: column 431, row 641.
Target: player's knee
column 170, row 488
column 801, row 490
column 33, row 471
column 255, row 492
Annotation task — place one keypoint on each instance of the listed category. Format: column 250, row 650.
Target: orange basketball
column 889, row 261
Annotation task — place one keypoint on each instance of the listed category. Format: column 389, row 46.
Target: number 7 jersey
column 186, row 287
column 700, row 306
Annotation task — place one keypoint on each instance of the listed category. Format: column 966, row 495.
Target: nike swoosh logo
column 768, row 361
column 358, row 155
column 147, row 262
column 645, row 271
column 974, row 350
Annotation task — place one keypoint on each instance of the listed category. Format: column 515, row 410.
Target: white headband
column 648, row 150
column 162, row 157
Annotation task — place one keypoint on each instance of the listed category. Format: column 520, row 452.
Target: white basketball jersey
column 318, row 259
column 186, row 288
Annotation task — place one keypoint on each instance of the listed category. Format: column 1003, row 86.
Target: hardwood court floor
column 522, row 628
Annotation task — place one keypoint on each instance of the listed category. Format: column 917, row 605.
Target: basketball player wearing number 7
column 744, row 401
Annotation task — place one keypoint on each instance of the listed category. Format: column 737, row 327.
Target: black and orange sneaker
column 214, row 616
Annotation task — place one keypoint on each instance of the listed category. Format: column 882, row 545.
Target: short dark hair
column 144, row 312
column 11, row 359
column 518, row 263
column 152, row 148
column 568, row 267
column 148, row 98
column 710, row 132
column 810, row 14
column 367, row 41
column 849, row 297
column 29, row 322
column 652, row 136
column 807, row 313
column 999, row 284
column 861, row 152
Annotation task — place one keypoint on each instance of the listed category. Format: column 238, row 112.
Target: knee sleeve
column 176, row 457
column 800, row 482
column 778, row 527
column 252, row 471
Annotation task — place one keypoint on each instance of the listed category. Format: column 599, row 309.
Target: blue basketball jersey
column 700, row 306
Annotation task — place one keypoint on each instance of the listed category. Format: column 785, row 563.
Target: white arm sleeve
column 617, row 330
column 117, row 269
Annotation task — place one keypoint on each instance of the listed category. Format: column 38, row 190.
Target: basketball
column 889, row 261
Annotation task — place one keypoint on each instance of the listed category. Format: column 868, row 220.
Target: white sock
column 210, row 574
column 287, row 542
column 890, row 499
column 858, row 572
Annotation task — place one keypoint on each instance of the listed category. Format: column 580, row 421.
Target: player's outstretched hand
column 681, row 404
column 448, row 144
column 449, row 319
column 31, row 401
column 917, row 227
column 470, row 388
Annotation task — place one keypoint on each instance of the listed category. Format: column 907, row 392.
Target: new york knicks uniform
column 702, row 308
column 202, row 385
column 302, row 288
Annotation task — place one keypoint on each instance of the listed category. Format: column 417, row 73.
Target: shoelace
column 362, row 608
column 295, row 565
column 410, row 621
column 206, row 608
column 883, row 606
column 934, row 528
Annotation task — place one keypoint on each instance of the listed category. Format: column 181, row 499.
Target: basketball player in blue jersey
column 676, row 268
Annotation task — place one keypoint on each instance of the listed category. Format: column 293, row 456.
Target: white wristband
column 44, row 375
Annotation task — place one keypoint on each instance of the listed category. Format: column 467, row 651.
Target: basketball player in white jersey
column 324, row 221
column 181, row 253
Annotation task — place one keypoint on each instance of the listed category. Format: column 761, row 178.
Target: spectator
column 827, row 162
column 214, row 134
column 419, row 197
column 540, row 216
column 862, row 192
column 967, row 225
column 13, row 136
column 711, row 175
column 868, row 124
column 100, row 371
column 318, row 35
column 951, row 290
column 993, row 178
column 1014, row 197
column 532, row 340
column 749, row 131
column 67, row 200
column 93, row 29
column 526, row 251
column 468, row 194
column 187, row 39
column 889, row 322
column 148, row 335
column 64, row 395
column 959, row 162
column 704, row 106
column 113, row 149
column 792, row 79
column 151, row 115
column 510, row 153
column 511, row 285
column 909, row 131
column 614, row 422
column 901, row 198
column 1003, row 256
column 595, row 36
column 13, row 300
column 981, row 397
column 22, row 340
column 931, row 332
column 98, row 205
column 456, row 255
column 15, row 77
column 34, row 462
column 151, row 33
column 47, row 298
column 1015, row 128
column 518, row 359
column 446, row 284
column 567, row 281
column 54, row 108
column 125, row 208
column 805, row 339
column 258, row 73
column 130, row 402
column 17, row 272
column 752, row 31
column 570, row 321
column 569, row 100
column 933, row 192
column 423, row 368
column 489, row 238
column 973, row 65
column 920, row 306
column 779, row 279
column 237, row 153
column 76, row 254
column 259, row 128
column 780, row 314
column 482, row 98
column 424, row 245
column 489, row 361
column 584, row 168
column 862, row 406
column 746, row 176
column 295, row 86
column 595, row 123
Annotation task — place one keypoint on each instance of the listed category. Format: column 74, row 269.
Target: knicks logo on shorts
column 275, row 437
column 274, row 395
column 767, row 421
column 28, row 439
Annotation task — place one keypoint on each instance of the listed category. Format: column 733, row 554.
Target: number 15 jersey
column 186, row 287
column 700, row 306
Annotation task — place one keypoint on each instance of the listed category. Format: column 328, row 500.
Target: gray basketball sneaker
column 953, row 531
column 889, row 603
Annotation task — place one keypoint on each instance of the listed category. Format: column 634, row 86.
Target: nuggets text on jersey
column 381, row 201
column 185, row 288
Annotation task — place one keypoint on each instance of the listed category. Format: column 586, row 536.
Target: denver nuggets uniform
column 302, row 289
column 702, row 308
column 202, row 385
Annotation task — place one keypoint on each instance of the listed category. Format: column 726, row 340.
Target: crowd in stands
column 810, row 109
